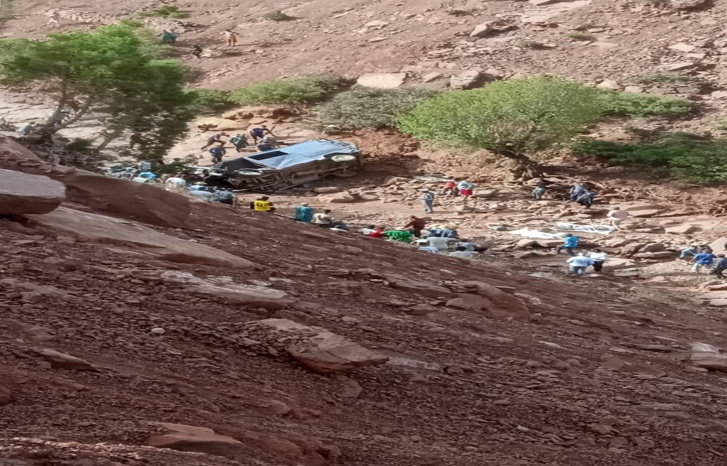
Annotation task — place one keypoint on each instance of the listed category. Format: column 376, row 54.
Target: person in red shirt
column 377, row 233
column 450, row 188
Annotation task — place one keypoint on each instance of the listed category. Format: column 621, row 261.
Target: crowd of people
column 262, row 137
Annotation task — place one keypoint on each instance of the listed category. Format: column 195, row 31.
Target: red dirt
column 491, row 392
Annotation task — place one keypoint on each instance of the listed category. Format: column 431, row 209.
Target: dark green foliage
column 167, row 11
column 305, row 90
column 682, row 155
column 630, row 105
column 278, row 15
column 370, row 108
column 116, row 72
column 211, row 100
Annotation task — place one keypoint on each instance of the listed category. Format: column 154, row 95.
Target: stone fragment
column 316, row 348
column 682, row 47
column 183, row 437
column 60, row 360
column 683, row 229
column 466, row 80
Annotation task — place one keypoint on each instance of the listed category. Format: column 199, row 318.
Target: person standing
column 239, row 141
column 575, row 191
column 217, row 153
column 215, row 138
column 577, row 265
column 720, row 266
column 168, row 37
column 428, row 201
column 599, row 258
column 616, row 216
column 703, row 259
column 570, row 242
column 54, row 20
column 416, row 225
column 540, row 187
column 304, row 213
column 262, row 204
column 465, row 189
column 230, row 37
column 197, row 51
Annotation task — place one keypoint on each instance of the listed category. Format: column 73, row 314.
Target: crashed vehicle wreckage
column 288, row 166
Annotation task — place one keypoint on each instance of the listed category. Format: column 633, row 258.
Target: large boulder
column 467, row 80
column 136, row 201
column 340, row 198
column 316, row 348
column 21, row 193
column 115, row 232
column 498, row 303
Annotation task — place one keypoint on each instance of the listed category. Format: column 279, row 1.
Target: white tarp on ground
column 598, row 229
column 536, row 234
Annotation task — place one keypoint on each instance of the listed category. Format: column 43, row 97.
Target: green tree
column 117, row 73
column 516, row 119
column 369, row 108
column 684, row 156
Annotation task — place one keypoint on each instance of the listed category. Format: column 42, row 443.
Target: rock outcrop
column 192, row 438
column 136, row 201
column 112, row 231
column 21, row 193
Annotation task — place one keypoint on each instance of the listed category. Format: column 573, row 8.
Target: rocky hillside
column 617, row 42
column 228, row 337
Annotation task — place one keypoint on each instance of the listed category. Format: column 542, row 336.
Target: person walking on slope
column 262, row 204
column 54, row 20
column 703, row 259
column 450, row 188
column 465, row 189
column 230, row 37
column 577, row 265
column 570, row 242
column 217, row 153
column 428, row 201
column 599, row 258
column 720, row 266
column 575, row 191
column 197, row 51
column 540, row 187
column 616, row 216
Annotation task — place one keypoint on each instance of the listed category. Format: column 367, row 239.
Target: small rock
column 466, row 80
column 382, row 80
column 430, row 77
column 601, row 429
column 60, row 360
column 609, row 84
column 682, row 47
column 158, row 331
column 482, row 30
column 6, row 395
column 278, row 407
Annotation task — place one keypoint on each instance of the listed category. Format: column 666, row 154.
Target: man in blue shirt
column 570, row 242
column 703, row 259
column 303, row 213
column 720, row 266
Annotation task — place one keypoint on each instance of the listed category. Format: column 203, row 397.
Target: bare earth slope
column 598, row 375
column 624, row 39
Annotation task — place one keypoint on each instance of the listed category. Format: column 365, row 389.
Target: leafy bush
column 582, row 36
column 278, row 15
column 682, row 155
column 626, row 104
column 167, row 11
column 287, row 91
column 370, row 108
column 663, row 78
column 211, row 100
column 511, row 118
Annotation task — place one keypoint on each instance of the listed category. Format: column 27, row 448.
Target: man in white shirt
column 578, row 264
column 599, row 257
column 616, row 216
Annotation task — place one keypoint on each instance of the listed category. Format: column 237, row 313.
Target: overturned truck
column 288, row 166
